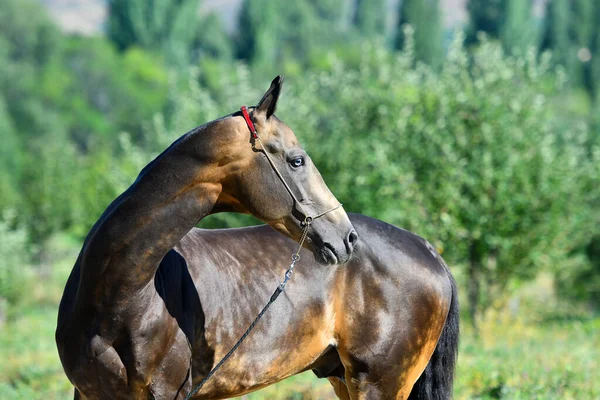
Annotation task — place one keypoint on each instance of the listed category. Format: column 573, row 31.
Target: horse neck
column 169, row 197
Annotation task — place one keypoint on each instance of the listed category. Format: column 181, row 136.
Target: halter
column 307, row 218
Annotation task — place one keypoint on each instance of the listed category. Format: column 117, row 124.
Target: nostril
column 352, row 238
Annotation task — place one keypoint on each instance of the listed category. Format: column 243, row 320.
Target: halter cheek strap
column 307, row 218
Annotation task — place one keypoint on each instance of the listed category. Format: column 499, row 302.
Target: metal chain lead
column 296, row 255
column 288, row 273
column 276, row 293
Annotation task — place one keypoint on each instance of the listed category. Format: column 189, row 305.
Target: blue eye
column 297, row 162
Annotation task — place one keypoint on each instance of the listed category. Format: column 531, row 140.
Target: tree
column 471, row 158
column 49, row 118
column 369, row 17
column 26, row 34
column 595, row 69
column 519, row 31
column 29, row 43
column 569, row 31
column 168, row 26
column 10, row 162
column 212, row 40
column 267, row 42
column 425, row 18
column 486, row 16
column 510, row 21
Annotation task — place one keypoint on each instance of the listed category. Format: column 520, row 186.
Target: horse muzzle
column 331, row 250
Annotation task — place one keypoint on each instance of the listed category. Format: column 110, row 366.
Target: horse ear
column 268, row 103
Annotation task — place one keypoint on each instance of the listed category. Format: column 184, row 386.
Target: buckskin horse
column 153, row 303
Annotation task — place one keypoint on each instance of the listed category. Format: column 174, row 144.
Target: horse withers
column 116, row 336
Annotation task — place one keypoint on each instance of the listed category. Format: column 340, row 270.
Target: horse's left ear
column 268, row 103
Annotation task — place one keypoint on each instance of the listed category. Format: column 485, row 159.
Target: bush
column 15, row 263
column 472, row 157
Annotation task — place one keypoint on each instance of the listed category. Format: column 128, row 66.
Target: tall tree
column 212, row 40
column 169, row 26
column 569, row 31
column 585, row 31
column 267, row 41
column 425, row 18
column 485, row 16
column 595, row 69
column 29, row 44
column 519, row 30
column 369, row 17
column 557, row 33
column 257, row 37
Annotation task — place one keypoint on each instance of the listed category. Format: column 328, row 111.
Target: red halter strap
column 249, row 121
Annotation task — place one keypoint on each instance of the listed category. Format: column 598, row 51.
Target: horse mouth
column 326, row 255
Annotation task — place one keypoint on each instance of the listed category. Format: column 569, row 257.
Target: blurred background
column 474, row 123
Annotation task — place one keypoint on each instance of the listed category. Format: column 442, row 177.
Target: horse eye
column 297, row 162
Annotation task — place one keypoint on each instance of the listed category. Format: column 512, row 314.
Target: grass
column 536, row 349
column 530, row 359
column 30, row 368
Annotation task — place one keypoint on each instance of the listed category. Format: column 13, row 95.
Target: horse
column 369, row 326
column 153, row 303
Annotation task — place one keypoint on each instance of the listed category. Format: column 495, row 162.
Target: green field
column 533, row 348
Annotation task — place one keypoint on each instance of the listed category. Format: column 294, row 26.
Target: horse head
column 271, row 177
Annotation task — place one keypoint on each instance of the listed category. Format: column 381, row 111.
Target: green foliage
column 28, row 42
column 370, row 17
column 47, row 187
column 163, row 25
column 486, row 16
column 556, row 33
column 268, row 43
column 595, row 71
column 9, row 161
column 109, row 92
column 583, row 283
column 47, row 117
column 519, row 31
column 424, row 16
column 27, row 35
column 30, row 367
column 510, row 21
column 14, row 267
column 212, row 40
column 469, row 158
column 570, row 32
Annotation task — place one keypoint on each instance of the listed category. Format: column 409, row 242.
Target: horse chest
column 284, row 345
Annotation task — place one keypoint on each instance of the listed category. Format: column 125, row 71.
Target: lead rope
column 276, row 293
column 288, row 274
